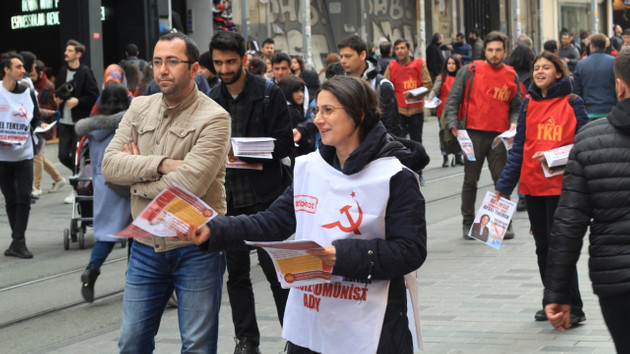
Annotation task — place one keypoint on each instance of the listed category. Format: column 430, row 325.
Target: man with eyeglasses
column 258, row 109
column 176, row 136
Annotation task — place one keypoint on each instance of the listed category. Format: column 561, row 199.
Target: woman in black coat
column 358, row 165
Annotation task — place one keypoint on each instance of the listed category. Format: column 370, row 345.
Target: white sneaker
column 57, row 185
column 36, row 192
column 69, row 199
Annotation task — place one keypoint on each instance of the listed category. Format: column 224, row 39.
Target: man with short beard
column 258, row 109
column 491, row 103
column 177, row 136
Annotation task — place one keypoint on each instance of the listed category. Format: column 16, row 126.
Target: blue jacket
column 512, row 170
column 463, row 49
column 112, row 211
column 595, row 82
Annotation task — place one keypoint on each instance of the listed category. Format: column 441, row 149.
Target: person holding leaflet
column 378, row 238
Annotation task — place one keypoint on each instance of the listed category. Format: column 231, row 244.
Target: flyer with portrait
column 295, row 267
column 492, row 220
column 466, row 144
column 174, row 209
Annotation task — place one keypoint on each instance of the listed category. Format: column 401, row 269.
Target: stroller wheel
column 81, row 238
column 73, row 230
column 66, row 239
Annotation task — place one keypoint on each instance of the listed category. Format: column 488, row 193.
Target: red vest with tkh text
column 405, row 78
column 444, row 90
column 492, row 91
column 549, row 124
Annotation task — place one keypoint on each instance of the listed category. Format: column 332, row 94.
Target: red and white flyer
column 295, row 267
column 492, row 220
column 174, row 209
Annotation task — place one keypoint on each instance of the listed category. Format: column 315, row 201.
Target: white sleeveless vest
column 336, row 317
column 16, row 113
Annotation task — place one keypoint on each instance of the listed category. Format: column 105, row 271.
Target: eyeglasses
column 325, row 110
column 157, row 63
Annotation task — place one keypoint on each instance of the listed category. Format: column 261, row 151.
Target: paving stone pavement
column 473, row 298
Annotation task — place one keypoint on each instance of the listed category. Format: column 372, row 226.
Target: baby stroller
column 81, row 182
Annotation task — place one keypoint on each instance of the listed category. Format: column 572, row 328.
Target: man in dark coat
column 258, row 109
column 78, row 105
column 595, row 194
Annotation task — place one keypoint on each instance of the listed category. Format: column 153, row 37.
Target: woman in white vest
column 354, row 197
column 19, row 116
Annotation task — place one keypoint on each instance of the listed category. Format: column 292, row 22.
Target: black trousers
column 616, row 311
column 16, row 183
column 540, row 211
column 67, row 145
column 413, row 124
column 239, row 285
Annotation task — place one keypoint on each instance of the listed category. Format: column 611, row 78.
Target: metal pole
column 245, row 19
column 306, row 33
column 594, row 17
column 422, row 23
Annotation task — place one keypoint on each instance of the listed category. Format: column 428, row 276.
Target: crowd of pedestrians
column 357, row 129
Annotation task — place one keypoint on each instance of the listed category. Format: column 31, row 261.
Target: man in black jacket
column 258, row 109
column 353, row 51
column 78, row 105
column 595, row 193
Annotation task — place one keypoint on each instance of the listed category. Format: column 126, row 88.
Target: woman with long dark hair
column 112, row 210
column 550, row 117
column 293, row 90
column 441, row 88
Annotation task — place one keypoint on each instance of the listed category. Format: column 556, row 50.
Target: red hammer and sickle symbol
column 354, row 226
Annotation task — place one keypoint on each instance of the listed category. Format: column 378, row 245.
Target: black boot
column 88, row 278
column 245, row 346
column 445, row 162
column 459, row 160
column 18, row 249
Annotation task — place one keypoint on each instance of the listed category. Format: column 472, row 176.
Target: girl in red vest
column 550, row 117
column 441, row 88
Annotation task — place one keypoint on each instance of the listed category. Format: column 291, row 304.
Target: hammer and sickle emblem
column 354, row 225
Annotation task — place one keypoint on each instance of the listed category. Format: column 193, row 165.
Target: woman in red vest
column 550, row 117
column 441, row 88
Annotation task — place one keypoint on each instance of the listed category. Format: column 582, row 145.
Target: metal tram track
column 60, row 307
column 111, row 294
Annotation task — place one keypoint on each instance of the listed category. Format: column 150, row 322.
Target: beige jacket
column 197, row 130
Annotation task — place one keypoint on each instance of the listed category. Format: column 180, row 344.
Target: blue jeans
column 197, row 279
column 101, row 250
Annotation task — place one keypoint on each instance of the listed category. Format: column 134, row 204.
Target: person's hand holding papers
column 328, row 254
column 196, row 236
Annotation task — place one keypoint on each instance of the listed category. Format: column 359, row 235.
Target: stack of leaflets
column 556, row 160
column 415, row 95
column 253, row 147
column 507, row 138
